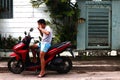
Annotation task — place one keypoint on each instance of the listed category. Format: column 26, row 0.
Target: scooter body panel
column 13, row 54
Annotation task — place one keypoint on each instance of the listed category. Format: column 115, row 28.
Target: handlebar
column 32, row 37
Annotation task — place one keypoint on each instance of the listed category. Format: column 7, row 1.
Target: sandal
column 40, row 76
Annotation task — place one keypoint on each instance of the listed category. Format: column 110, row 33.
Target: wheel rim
column 16, row 66
column 65, row 65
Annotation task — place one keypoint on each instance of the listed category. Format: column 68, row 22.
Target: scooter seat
column 57, row 45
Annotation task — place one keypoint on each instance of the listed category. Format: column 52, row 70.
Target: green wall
column 81, row 27
column 115, row 24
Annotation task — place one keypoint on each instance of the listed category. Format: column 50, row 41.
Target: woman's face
column 41, row 25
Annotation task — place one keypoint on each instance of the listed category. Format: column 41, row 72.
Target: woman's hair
column 41, row 21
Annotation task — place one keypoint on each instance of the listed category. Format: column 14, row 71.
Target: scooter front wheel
column 15, row 66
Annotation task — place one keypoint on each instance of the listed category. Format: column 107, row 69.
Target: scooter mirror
column 25, row 33
column 31, row 29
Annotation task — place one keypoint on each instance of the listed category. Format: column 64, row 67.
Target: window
column 6, row 9
column 98, row 26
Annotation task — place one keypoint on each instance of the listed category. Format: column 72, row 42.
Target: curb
column 78, row 68
column 96, row 67
column 3, row 69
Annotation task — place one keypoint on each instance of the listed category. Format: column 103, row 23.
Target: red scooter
column 21, row 60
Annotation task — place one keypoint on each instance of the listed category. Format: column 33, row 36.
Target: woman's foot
column 41, row 75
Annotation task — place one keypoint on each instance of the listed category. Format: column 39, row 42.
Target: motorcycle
column 21, row 60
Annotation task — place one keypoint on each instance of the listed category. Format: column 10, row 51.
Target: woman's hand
column 40, row 31
column 39, row 28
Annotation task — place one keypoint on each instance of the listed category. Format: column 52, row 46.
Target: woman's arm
column 43, row 31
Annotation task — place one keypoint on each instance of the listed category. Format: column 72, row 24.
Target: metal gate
column 98, row 24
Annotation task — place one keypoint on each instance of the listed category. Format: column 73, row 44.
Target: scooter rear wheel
column 65, row 66
column 15, row 66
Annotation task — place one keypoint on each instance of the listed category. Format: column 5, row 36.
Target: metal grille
column 6, row 9
column 98, row 27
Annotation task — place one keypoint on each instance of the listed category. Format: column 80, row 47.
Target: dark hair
column 41, row 21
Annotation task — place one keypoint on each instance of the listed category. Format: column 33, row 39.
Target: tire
column 65, row 66
column 15, row 66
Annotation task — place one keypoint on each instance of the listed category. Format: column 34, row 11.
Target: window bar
column 2, row 4
column 0, row 7
column 7, row 5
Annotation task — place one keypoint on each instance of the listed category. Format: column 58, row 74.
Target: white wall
column 24, row 17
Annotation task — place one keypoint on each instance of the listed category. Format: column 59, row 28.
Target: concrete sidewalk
column 92, row 65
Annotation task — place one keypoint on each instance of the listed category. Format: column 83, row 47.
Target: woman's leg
column 42, row 55
column 33, row 47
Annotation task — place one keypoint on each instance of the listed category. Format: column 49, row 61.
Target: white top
column 47, row 38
